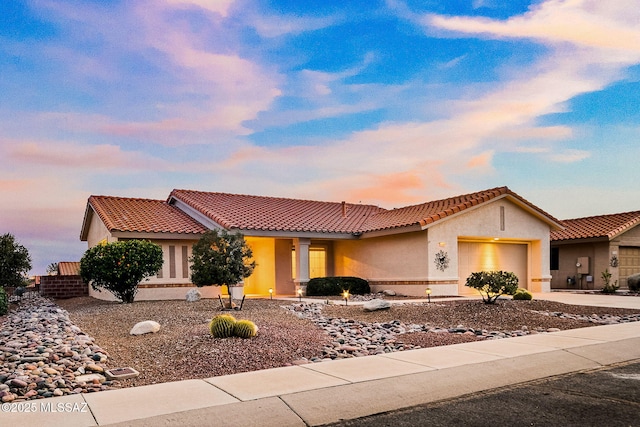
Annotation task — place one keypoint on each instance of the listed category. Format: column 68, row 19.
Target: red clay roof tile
column 276, row 214
column 428, row 213
column 601, row 226
column 245, row 212
column 143, row 215
column 67, row 268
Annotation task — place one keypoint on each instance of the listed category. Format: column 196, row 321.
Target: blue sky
column 386, row 102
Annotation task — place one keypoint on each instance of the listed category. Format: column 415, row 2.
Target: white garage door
column 480, row 256
column 629, row 263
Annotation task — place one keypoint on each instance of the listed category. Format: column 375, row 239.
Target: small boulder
column 148, row 326
column 376, row 304
column 193, row 295
column 633, row 282
column 389, row 292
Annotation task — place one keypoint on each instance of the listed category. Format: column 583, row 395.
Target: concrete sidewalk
column 321, row 393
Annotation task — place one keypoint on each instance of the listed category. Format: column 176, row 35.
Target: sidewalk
column 326, row 392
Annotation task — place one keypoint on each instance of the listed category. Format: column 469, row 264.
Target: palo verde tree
column 492, row 284
column 221, row 259
column 15, row 262
column 119, row 267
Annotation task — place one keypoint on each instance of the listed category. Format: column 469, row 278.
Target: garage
column 629, row 263
column 488, row 256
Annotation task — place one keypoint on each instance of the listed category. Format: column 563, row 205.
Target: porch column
column 302, row 263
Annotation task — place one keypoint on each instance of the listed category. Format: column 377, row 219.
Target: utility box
column 583, row 265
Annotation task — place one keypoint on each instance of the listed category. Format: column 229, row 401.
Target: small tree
column 609, row 288
column 492, row 284
column 52, row 269
column 15, row 262
column 120, row 266
column 221, row 259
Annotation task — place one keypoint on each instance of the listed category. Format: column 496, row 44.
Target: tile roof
column 275, row 213
column 66, row 268
column 428, row 213
column 281, row 214
column 601, row 226
column 143, row 215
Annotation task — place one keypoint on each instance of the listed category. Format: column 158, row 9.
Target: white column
column 302, row 262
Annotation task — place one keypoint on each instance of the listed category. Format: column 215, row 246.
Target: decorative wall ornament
column 442, row 260
column 614, row 261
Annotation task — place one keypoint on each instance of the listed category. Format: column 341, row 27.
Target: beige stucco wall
column 484, row 224
column 598, row 254
column 398, row 257
column 98, row 232
column 155, row 294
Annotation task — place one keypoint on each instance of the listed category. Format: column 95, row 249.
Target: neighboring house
column 66, row 268
column 435, row 244
column 65, row 283
column 589, row 246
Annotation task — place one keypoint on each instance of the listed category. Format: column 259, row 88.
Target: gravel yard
column 184, row 349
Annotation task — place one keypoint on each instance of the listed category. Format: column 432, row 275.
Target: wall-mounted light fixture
column 442, row 244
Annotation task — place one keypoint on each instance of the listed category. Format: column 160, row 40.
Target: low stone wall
column 63, row 287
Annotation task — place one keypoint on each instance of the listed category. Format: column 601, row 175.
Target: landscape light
column 345, row 295
column 270, row 293
column 300, row 294
column 428, row 292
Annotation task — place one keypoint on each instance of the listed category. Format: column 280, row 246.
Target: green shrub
column 326, row 286
column 222, row 326
column 245, row 329
column 492, row 284
column 119, row 267
column 4, row 302
column 523, row 294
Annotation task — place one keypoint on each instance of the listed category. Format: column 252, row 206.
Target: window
column 293, row 262
column 554, row 259
column 317, row 262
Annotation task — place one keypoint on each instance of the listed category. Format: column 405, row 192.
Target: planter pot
column 237, row 292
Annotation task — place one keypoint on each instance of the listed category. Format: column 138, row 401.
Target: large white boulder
column 146, row 327
column 193, row 295
column 376, row 304
column 389, row 292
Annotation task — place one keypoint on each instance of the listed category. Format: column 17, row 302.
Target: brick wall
column 63, row 287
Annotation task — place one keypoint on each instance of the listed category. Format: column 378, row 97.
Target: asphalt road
column 606, row 397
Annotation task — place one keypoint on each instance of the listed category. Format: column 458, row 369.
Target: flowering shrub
column 120, row 266
column 492, row 284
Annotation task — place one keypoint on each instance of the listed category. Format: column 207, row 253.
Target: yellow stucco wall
column 264, row 274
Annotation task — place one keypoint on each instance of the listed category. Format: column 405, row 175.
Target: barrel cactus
column 522, row 294
column 222, row 326
column 245, row 329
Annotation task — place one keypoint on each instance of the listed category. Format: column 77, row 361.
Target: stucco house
column 435, row 244
column 588, row 246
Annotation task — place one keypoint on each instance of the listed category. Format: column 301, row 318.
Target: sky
column 391, row 103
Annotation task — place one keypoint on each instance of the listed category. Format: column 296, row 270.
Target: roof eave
column 86, row 222
column 391, row 231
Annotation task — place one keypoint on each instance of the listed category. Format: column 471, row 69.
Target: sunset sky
column 391, row 103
